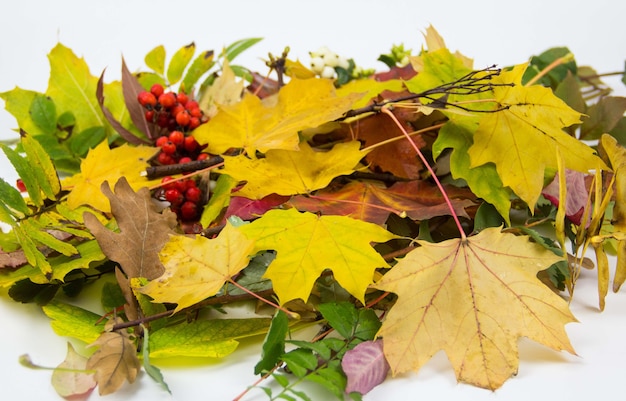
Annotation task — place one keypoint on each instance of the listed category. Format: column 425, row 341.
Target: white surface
column 504, row 33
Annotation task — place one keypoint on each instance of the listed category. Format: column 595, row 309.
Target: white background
column 505, row 33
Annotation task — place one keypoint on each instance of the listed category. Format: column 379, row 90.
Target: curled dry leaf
column 71, row 379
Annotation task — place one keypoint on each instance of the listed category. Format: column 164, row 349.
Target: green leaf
column 252, row 276
column 18, row 102
column 26, row 291
column 26, row 172
column 237, row 47
column 274, row 344
column 556, row 74
column 32, row 253
column 151, row 370
column 43, row 168
column 300, row 361
column 73, row 88
column 179, row 62
column 483, row 180
column 207, row 338
column 220, row 198
column 368, row 325
column 89, row 252
column 321, row 348
column 487, row 216
column 199, row 67
column 155, row 59
column 88, row 139
column 341, row 316
column 331, row 378
column 13, row 199
column 44, row 114
column 73, row 321
column 36, row 231
column 111, row 296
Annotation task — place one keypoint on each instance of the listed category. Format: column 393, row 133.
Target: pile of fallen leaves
column 430, row 207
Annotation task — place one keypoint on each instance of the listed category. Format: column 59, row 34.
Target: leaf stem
column 386, row 110
column 397, row 138
column 292, row 315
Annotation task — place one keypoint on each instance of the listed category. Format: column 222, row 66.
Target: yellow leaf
column 369, row 88
column 307, row 244
column 521, row 140
column 274, row 123
column 289, row 172
column 226, row 90
column 295, row 69
column 472, row 298
column 434, row 42
column 104, row 164
column 197, row 268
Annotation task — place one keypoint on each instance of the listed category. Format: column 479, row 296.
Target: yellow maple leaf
column 289, row 172
column 274, row 123
column 197, row 268
column 521, row 140
column 472, row 298
column 104, row 164
column 307, row 244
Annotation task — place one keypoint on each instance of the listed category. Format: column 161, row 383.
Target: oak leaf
column 143, row 231
column 115, row 361
column 104, row 164
column 532, row 117
column 307, row 244
column 373, row 203
column 197, row 268
column 288, row 172
column 472, row 298
column 274, row 123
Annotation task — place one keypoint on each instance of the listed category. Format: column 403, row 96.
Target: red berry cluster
column 178, row 114
column 184, row 197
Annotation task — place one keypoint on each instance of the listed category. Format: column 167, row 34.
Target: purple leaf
column 576, row 198
column 365, row 366
column 131, row 89
column 124, row 133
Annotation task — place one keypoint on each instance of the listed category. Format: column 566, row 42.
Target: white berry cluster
column 324, row 61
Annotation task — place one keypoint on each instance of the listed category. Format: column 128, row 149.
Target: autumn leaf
column 373, row 203
column 143, row 231
column 274, row 123
column 197, row 268
column 472, row 298
column 288, row 172
column 365, row 367
column 104, row 164
column 69, row 379
column 225, row 91
column 307, row 245
column 115, row 361
column 532, row 118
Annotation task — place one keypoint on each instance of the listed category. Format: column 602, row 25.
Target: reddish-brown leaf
column 373, row 203
column 124, row 133
column 131, row 89
column 248, row 209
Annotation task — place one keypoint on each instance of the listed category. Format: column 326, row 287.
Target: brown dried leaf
column 114, row 362
column 143, row 231
column 124, row 133
column 131, row 89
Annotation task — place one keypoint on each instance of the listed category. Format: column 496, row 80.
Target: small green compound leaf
column 198, row 67
column 341, row 316
column 236, row 48
column 179, row 62
column 12, row 198
column 26, row 172
column 44, row 113
column 43, row 168
column 274, row 344
column 72, row 321
column 300, row 361
column 208, row 338
column 155, row 59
